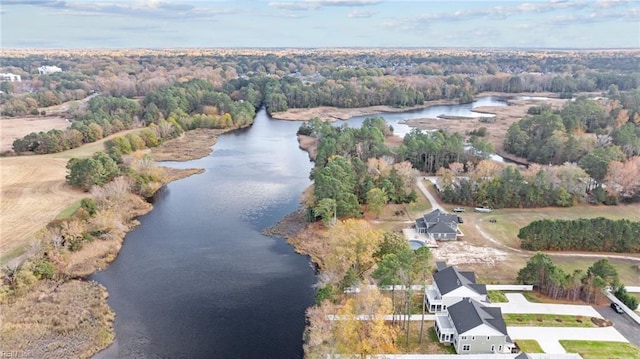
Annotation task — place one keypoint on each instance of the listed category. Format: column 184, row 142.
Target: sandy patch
column 460, row 252
column 12, row 128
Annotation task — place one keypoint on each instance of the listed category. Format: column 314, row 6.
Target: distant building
column 46, row 70
column 6, row 76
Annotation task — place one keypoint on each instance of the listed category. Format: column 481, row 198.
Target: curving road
column 436, row 205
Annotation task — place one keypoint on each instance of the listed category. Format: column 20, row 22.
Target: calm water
column 197, row 279
column 396, row 119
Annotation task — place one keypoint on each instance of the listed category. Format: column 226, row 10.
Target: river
column 197, row 279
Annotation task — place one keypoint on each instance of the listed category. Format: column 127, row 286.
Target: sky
column 582, row 24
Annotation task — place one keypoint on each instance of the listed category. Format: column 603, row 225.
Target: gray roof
column 438, row 221
column 469, row 313
column 439, row 216
column 450, row 279
column 522, row 355
column 441, row 265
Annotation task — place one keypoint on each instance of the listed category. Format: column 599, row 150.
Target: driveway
column 625, row 325
column 434, row 203
column 519, row 304
column 548, row 337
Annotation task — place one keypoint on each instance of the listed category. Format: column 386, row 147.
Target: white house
column 7, row 76
column 473, row 328
column 46, row 70
column 450, row 286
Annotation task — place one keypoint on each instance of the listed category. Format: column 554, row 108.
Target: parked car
column 460, row 220
column 617, row 308
column 458, row 209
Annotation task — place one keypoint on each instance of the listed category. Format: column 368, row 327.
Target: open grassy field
column 34, row 192
column 601, row 350
column 12, row 128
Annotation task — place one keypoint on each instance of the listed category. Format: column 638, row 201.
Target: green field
column 601, row 350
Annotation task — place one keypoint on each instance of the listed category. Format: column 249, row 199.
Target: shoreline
column 40, row 312
column 333, row 114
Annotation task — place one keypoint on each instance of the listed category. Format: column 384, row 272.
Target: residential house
column 438, row 225
column 450, row 286
column 473, row 328
column 7, row 76
column 46, row 70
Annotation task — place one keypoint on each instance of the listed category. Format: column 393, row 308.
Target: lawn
column 430, row 343
column 510, row 220
column 496, row 296
column 548, row 320
column 529, row 346
column 601, row 350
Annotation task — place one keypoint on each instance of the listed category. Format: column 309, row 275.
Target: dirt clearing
column 12, row 128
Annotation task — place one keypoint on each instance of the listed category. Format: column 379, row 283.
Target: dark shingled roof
column 450, row 279
column 438, row 222
column 469, row 313
column 439, row 216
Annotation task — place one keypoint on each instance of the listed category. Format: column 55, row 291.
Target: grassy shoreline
column 70, row 317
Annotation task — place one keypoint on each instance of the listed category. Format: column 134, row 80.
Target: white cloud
column 361, row 14
column 317, row 4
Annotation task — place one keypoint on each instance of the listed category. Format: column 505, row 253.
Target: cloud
column 317, row 4
column 611, row 3
column 149, row 8
column 361, row 14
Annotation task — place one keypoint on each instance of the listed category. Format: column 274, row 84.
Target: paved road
column 548, row 337
column 625, row 325
column 519, row 304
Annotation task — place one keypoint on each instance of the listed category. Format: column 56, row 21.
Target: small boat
column 483, row 209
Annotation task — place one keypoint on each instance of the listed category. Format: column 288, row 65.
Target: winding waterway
column 197, row 279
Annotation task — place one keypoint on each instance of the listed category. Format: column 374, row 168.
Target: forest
column 592, row 139
column 593, row 235
column 308, row 78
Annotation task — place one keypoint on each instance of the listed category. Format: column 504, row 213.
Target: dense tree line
column 103, row 117
column 602, row 137
column 550, row 279
column 185, row 106
column 429, row 151
column 316, row 78
column 594, row 235
column 352, row 169
column 509, row 188
column 199, row 101
column 575, row 131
